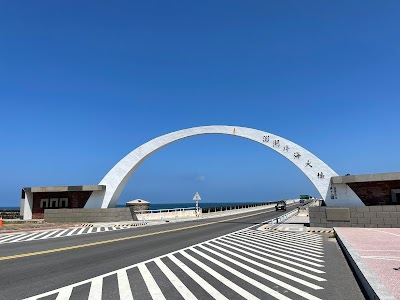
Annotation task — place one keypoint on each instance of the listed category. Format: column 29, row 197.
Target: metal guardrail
column 156, row 211
column 282, row 218
column 287, row 216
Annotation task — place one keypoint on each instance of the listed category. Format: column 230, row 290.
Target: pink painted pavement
column 379, row 251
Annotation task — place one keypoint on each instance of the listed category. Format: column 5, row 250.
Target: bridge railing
column 163, row 210
column 288, row 215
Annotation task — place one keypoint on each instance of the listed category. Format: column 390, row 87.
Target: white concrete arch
column 307, row 162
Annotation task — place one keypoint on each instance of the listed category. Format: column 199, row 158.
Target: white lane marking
column 61, row 233
column 242, row 276
column 282, row 248
column 264, row 248
column 280, row 245
column 151, row 284
column 304, row 237
column 124, row 287
column 96, row 289
column 90, row 230
column 64, row 293
column 271, row 262
column 238, row 246
column 98, row 229
column 284, row 242
column 71, row 232
column 200, row 281
column 256, row 272
column 219, row 277
column 13, row 236
column 280, row 239
column 293, row 241
column 265, row 267
column 49, row 234
column 23, row 237
column 179, row 286
column 36, row 237
column 115, row 228
column 81, row 231
column 106, row 229
column 3, row 237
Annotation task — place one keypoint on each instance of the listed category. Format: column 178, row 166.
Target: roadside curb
column 130, row 225
column 281, row 227
column 320, row 230
column 372, row 285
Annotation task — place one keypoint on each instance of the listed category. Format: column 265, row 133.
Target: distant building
column 34, row 200
column 138, row 204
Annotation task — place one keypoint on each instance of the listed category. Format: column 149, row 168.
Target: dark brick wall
column 375, row 193
column 76, row 199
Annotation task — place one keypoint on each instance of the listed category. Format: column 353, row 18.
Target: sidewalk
column 374, row 254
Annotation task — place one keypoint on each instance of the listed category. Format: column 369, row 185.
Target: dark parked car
column 280, row 205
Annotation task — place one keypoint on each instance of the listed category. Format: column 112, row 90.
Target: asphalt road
column 36, row 267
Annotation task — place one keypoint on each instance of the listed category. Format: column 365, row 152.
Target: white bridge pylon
column 315, row 169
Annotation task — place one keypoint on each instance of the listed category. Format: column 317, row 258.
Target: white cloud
column 200, row 178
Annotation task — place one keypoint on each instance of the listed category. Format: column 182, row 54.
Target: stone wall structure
column 88, row 215
column 387, row 216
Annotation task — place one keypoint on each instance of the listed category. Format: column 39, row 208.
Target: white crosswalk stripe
column 13, row 237
column 180, row 287
column 287, row 244
column 287, row 247
column 267, row 248
column 203, row 283
column 219, row 277
column 65, row 293
column 236, row 265
column 61, row 233
column 71, row 232
column 23, row 237
column 37, row 236
column 293, row 241
column 275, row 258
column 258, row 257
column 124, row 286
column 151, row 284
column 55, row 233
column 96, row 289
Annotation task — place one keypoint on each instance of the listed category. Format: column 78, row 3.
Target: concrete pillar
column 27, row 204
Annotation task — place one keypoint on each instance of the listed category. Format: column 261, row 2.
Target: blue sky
column 83, row 83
